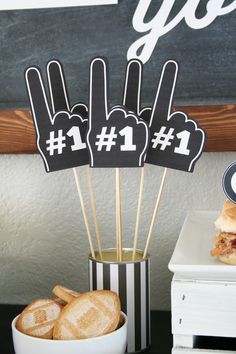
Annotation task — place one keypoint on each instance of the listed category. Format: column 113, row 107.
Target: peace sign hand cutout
column 176, row 141
column 132, row 90
column 116, row 137
column 60, row 130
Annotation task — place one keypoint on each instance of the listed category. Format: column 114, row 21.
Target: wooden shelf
column 17, row 134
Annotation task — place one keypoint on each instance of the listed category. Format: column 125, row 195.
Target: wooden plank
column 184, row 341
column 198, row 305
column 219, row 122
column 17, row 132
column 200, row 351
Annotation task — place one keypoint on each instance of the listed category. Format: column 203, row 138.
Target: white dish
column 112, row 343
column 191, row 258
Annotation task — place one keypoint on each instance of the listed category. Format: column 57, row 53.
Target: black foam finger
column 132, row 87
column 57, row 87
column 98, row 99
column 38, row 99
column 81, row 109
column 146, row 113
column 165, row 93
column 177, row 144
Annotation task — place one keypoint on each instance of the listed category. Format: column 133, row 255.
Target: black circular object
column 229, row 182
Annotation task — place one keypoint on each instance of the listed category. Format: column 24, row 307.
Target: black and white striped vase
column 131, row 280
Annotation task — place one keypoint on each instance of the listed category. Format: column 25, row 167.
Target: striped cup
column 130, row 279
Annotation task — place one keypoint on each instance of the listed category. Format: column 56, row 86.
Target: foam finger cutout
column 176, row 141
column 117, row 136
column 60, row 129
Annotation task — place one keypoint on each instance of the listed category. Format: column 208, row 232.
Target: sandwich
column 225, row 240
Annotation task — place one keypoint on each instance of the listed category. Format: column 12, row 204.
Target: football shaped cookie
column 92, row 314
column 38, row 318
column 64, row 293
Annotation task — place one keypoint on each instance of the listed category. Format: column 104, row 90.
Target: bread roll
column 226, row 222
column 228, row 258
column 225, row 241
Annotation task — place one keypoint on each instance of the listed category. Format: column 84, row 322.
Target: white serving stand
column 203, row 290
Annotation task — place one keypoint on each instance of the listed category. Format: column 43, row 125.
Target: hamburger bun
column 228, row 258
column 226, row 222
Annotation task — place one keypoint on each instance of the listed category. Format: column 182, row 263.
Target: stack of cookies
column 71, row 315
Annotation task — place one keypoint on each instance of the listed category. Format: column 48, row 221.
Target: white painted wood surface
column 199, row 351
column 191, row 258
column 181, row 340
column 203, row 290
column 204, row 308
column 36, row 4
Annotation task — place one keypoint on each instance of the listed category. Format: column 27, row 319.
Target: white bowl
column 112, row 343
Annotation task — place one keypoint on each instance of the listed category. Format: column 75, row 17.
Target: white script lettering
column 159, row 25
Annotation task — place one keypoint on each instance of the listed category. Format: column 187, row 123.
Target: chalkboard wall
column 207, row 57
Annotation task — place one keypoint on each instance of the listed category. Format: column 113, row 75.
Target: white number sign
column 57, row 141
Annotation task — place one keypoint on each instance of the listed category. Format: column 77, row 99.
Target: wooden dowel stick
column 120, row 226
column 138, row 213
column 94, row 212
column 118, row 215
column 155, row 213
column 117, row 228
column 117, row 221
column 76, row 175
